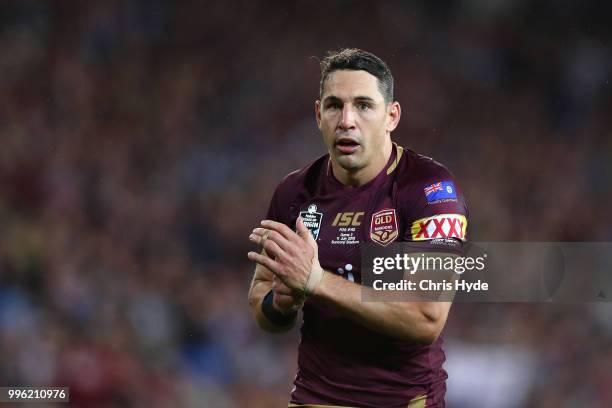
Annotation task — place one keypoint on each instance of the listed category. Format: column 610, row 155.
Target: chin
column 349, row 162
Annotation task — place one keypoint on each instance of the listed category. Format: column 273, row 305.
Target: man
column 366, row 189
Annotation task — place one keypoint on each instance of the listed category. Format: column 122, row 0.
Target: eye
column 333, row 105
column 363, row 106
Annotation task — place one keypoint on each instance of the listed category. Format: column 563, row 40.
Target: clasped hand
column 291, row 256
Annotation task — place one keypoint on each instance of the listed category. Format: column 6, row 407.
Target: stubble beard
column 350, row 163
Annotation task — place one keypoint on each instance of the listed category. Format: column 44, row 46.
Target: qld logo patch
column 383, row 228
column 439, row 226
column 312, row 220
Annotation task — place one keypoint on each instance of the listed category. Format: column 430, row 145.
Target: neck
column 359, row 177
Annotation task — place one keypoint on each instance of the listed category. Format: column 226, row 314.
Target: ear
column 393, row 116
column 318, row 113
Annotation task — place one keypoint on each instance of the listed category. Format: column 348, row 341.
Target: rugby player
column 366, row 189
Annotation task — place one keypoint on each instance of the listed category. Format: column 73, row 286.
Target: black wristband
column 274, row 316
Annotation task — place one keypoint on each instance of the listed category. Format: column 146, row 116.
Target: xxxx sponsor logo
column 439, row 226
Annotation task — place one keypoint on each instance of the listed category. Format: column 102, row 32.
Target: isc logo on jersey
column 383, row 228
column 439, row 226
column 348, row 219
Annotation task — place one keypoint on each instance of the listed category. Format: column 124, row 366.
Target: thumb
column 301, row 229
column 305, row 233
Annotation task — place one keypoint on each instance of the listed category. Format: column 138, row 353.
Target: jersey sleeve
column 437, row 215
column 283, row 203
column 277, row 210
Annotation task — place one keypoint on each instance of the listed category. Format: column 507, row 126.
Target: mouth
column 346, row 145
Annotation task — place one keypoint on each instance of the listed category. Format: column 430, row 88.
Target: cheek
column 374, row 138
column 328, row 128
column 328, row 137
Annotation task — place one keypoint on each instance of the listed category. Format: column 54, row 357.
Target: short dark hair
column 355, row 59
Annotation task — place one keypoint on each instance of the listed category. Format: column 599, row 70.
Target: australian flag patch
column 442, row 190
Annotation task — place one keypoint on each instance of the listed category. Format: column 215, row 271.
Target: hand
column 293, row 256
column 285, row 301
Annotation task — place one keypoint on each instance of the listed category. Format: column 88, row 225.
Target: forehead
column 346, row 84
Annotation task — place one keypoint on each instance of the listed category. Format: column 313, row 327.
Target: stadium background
column 140, row 141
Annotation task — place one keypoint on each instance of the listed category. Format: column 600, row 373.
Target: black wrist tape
column 274, row 316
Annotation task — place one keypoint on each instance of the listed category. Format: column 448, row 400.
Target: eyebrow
column 332, row 98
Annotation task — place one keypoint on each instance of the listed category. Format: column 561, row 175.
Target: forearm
column 412, row 321
column 259, row 289
column 294, row 258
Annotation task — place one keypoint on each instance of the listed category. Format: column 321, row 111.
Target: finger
column 286, row 306
column 274, row 251
column 279, row 287
column 305, row 233
column 284, row 300
column 266, row 261
column 260, row 235
column 260, row 232
column 281, row 228
column 301, row 229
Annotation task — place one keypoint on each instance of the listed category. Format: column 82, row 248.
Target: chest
column 341, row 224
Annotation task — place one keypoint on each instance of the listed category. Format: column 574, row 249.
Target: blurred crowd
column 140, row 142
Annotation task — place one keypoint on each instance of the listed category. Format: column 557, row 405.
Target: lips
column 347, row 145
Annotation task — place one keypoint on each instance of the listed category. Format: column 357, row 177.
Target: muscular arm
column 284, row 302
column 295, row 256
column 412, row 321
column 260, row 286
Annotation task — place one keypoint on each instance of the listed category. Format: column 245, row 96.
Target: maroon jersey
column 341, row 362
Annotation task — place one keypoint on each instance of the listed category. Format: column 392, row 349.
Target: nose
column 347, row 121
